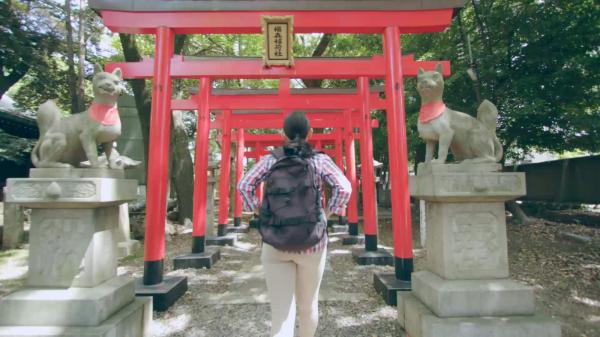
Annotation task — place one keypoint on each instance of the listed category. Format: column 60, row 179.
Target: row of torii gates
column 348, row 113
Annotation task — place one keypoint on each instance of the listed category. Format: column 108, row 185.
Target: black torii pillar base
column 379, row 257
column 389, row 284
column 164, row 291
column 200, row 256
column 221, row 239
column 371, row 254
column 241, row 229
column 350, row 240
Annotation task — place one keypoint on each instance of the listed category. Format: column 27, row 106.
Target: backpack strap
column 295, row 221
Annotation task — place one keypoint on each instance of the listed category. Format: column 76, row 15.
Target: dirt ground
column 229, row 298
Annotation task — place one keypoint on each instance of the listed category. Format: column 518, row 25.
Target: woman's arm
column 341, row 190
column 247, row 186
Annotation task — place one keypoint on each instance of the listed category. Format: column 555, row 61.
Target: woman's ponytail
column 296, row 128
column 298, row 146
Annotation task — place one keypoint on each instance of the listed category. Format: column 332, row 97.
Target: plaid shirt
column 327, row 172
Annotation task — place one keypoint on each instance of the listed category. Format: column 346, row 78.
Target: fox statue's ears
column 439, row 68
column 117, row 72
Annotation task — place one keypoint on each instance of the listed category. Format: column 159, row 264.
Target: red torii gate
column 389, row 18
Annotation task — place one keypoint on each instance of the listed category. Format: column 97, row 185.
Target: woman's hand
column 256, row 212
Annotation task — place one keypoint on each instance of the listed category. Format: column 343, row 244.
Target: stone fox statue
column 470, row 140
column 66, row 142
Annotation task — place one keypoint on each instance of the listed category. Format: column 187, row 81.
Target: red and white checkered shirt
column 327, row 171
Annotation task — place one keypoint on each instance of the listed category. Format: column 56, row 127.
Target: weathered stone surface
column 13, row 222
column 67, row 307
column 69, row 192
column 421, row 322
column 437, row 168
column 72, row 247
column 131, row 321
column 467, row 240
column 459, row 183
column 76, row 173
column 126, row 246
column 461, row 298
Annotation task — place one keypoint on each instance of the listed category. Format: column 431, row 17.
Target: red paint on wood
column 367, row 170
column 249, row 22
column 239, row 170
column 201, row 159
column 158, row 157
column 398, row 154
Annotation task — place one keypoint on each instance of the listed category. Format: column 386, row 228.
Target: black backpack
column 290, row 218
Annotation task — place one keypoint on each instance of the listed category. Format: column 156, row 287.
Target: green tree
column 27, row 37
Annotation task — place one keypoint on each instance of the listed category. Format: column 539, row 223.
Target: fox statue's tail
column 48, row 115
column 487, row 114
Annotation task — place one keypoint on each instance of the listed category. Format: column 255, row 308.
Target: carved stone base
column 419, row 321
column 467, row 240
column 462, row 298
column 66, row 307
column 133, row 320
column 72, row 247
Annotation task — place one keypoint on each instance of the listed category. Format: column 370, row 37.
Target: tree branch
column 318, row 52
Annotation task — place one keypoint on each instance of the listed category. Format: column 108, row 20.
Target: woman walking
column 293, row 224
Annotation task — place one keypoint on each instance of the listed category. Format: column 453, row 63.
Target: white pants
column 293, row 278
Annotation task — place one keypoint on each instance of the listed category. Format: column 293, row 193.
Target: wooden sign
column 278, row 40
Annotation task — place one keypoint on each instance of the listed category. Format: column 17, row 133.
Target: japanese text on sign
column 278, row 41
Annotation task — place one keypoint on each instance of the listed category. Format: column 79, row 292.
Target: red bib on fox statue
column 104, row 114
column 431, row 111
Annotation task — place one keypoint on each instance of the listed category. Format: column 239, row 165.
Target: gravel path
column 230, row 299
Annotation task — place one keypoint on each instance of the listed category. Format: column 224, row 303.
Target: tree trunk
column 81, row 58
column 318, row 52
column 72, row 76
column 181, row 168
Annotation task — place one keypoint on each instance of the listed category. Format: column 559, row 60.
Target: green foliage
column 27, row 37
column 48, row 78
column 537, row 60
column 15, row 150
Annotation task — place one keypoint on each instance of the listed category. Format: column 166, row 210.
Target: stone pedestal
column 72, row 287
column 13, row 222
column 465, row 290
column 126, row 245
